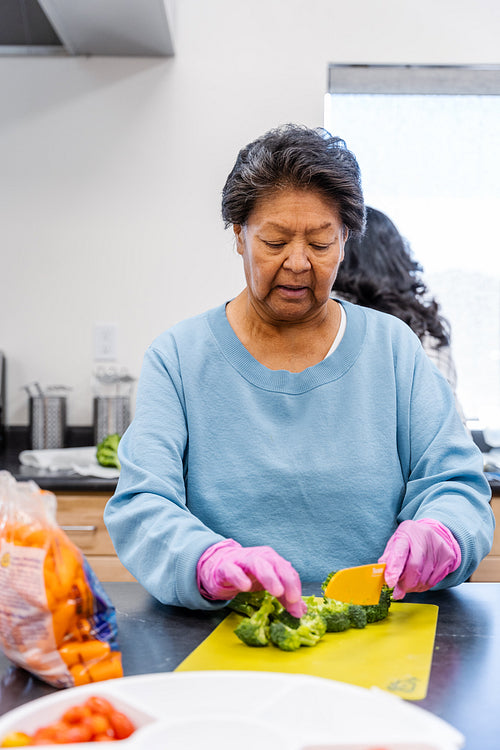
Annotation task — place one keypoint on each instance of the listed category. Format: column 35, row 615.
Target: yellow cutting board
column 394, row 654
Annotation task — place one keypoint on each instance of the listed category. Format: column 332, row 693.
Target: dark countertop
column 17, row 440
column 465, row 675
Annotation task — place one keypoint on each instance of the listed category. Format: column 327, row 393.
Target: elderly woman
column 283, row 434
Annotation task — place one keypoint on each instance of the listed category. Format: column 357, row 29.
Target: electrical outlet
column 106, row 341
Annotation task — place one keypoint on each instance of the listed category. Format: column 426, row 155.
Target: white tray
column 241, row 710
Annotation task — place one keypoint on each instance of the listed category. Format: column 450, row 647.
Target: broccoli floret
column 373, row 612
column 285, row 637
column 386, row 596
column 327, row 580
column 283, row 615
column 335, row 615
column 247, row 602
column 377, row 612
column 311, row 629
column 337, row 622
column 357, row 616
column 252, row 633
column 313, row 604
column 106, row 453
column 254, row 630
column 288, row 619
column 243, row 608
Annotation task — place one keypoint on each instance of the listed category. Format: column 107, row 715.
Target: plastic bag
column 56, row 620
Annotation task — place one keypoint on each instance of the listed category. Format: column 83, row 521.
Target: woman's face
column 292, row 246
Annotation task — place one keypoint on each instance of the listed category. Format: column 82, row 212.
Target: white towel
column 81, row 461
column 492, row 460
column 492, row 436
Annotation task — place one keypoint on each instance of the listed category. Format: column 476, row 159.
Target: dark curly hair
column 378, row 271
column 293, row 156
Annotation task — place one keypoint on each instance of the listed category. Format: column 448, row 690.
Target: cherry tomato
column 96, row 720
column 99, row 705
column 76, row 714
column 45, row 735
column 78, row 733
column 52, row 734
column 98, row 724
column 121, row 725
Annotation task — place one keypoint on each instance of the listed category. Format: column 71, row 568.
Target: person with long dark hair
column 379, row 271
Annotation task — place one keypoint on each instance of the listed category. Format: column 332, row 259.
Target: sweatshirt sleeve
column 155, row 536
column 444, row 469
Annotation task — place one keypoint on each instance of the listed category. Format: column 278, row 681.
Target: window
column 426, row 139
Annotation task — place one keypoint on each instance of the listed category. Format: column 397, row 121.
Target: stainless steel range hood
column 87, row 27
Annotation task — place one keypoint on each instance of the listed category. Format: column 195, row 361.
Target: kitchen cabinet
column 489, row 569
column 80, row 514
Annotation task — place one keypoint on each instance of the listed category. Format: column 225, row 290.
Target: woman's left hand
column 418, row 555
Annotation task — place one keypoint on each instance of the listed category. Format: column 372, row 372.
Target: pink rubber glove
column 226, row 568
column 418, row 555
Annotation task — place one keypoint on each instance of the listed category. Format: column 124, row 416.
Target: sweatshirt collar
column 283, row 381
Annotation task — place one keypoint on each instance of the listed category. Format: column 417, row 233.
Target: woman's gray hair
column 294, row 156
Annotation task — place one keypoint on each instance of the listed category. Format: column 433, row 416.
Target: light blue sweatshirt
column 321, row 465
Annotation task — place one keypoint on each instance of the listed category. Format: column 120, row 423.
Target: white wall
column 111, row 169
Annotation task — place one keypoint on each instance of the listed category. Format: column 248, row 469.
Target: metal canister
column 111, row 415
column 47, row 415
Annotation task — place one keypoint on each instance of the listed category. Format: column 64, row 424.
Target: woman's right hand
column 226, row 568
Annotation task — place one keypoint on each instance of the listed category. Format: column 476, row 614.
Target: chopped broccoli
column 288, row 619
column 305, row 631
column 313, row 603
column 327, row 580
column 254, row 630
column 386, row 595
column 373, row 612
column 283, row 636
column 243, row 608
column 377, row 612
column 357, row 616
column 311, row 629
column 335, row 615
column 337, row 621
column 283, row 615
column 106, row 453
column 267, row 621
column 248, row 602
column 272, row 622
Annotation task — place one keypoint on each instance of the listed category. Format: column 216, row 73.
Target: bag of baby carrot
column 56, row 620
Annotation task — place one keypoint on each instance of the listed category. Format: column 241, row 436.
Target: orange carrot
column 63, row 620
column 107, row 669
column 87, row 651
